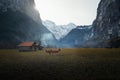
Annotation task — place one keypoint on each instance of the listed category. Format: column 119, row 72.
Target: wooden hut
column 26, row 46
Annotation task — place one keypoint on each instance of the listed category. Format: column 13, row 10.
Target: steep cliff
column 19, row 21
column 24, row 6
column 107, row 23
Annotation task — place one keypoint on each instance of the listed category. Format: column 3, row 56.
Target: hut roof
column 26, row 44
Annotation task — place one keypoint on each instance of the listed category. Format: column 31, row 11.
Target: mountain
column 59, row 31
column 69, row 35
column 77, row 36
column 19, row 22
column 24, row 6
column 106, row 25
column 108, row 18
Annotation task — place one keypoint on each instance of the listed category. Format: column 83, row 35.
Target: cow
column 52, row 50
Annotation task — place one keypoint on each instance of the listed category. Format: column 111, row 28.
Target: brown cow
column 52, row 50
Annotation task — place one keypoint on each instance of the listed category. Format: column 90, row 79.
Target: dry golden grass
column 82, row 55
column 69, row 64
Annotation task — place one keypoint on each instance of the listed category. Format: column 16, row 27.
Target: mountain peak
column 59, row 30
column 71, row 24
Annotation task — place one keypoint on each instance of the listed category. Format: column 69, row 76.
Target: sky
column 62, row 12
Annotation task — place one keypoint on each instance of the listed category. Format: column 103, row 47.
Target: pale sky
column 80, row 12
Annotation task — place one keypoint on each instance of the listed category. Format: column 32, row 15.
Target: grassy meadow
column 69, row 64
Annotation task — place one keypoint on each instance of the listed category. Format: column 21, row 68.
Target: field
column 69, row 64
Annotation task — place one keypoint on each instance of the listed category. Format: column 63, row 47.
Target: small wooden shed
column 26, row 46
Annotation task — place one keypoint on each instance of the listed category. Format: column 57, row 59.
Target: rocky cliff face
column 107, row 22
column 19, row 21
column 24, row 6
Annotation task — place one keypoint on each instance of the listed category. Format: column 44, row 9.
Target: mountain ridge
column 77, row 36
column 59, row 31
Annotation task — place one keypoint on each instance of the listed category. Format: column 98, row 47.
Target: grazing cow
column 53, row 50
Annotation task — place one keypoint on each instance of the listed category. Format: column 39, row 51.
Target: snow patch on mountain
column 59, row 31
